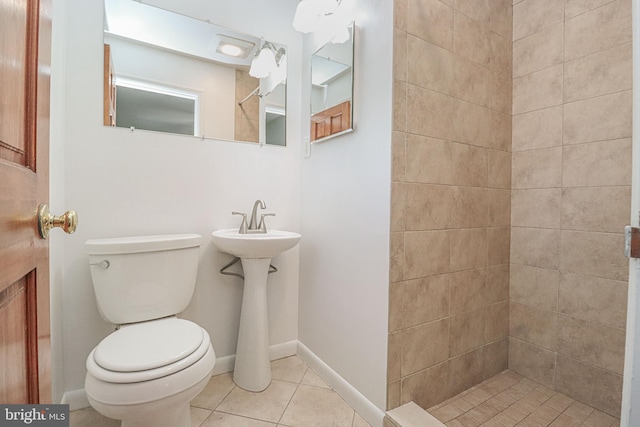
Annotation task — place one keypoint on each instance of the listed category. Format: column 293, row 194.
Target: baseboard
column 77, row 399
column 363, row 406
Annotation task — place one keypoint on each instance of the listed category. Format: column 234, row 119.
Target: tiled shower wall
column 478, row 253
column 571, row 195
column 451, row 197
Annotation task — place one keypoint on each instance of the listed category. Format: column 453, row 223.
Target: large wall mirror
column 332, row 89
column 167, row 72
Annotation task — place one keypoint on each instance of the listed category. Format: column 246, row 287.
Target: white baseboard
column 77, row 399
column 363, row 406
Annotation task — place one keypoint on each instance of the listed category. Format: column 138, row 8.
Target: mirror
column 332, row 89
column 167, row 72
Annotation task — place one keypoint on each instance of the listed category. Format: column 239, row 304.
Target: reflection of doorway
column 153, row 107
column 331, row 121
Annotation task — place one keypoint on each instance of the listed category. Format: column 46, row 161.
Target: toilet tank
column 143, row 278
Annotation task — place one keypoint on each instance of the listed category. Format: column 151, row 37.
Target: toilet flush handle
column 104, row 264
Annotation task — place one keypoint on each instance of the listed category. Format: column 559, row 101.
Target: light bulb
column 263, row 64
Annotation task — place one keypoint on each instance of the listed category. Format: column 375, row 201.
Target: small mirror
column 332, row 89
column 167, row 72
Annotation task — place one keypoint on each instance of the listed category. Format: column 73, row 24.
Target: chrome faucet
column 253, row 226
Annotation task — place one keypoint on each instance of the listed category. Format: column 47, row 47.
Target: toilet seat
column 147, row 351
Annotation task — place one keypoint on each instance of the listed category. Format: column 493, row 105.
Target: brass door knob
column 46, row 221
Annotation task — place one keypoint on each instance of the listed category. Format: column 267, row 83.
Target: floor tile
column 313, row 406
column 214, row 393
column 268, row 405
column 219, row 419
column 311, row 378
column 290, row 369
column 90, row 417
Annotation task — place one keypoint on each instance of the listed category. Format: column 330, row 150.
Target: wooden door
column 25, row 50
column 331, row 121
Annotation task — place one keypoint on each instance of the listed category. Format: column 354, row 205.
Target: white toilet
column 148, row 370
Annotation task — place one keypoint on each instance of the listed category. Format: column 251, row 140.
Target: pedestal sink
column 252, row 366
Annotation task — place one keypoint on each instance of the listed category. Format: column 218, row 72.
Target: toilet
column 148, row 370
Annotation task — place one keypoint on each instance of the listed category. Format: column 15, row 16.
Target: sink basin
column 256, row 245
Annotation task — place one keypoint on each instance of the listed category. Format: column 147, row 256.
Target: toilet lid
column 148, row 345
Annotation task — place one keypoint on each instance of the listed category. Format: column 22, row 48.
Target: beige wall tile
column 400, row 58
column 591, row 342
column 499, row 208
column 531, row 16
column 583, row 119
column 598, row 74
column 399, row 156
column 466, row 332
column 501, row 60
column 470, row 122
column 594, row 254
column 430, row 66
column 536, row 287
column 500, row 131
column 537, row 168
column 428, row 387
column 399, row 106
column 500, row 94
column 428, row 207
column 438, row 123
column 499, row 169
column 425, row 300
column 538, row 129
column 596, row 387
column 496, row 358
column 598, row 29
column 597, row 163
column 440, row 19
column 428, row 160
column 501, row 18
column 537, row 90
column 539, row 51
column 593, row 298
column 394, row 360
column 478, row 10
column 536, row 247
column 397, row 206
column 498, row 246
column 532, row 362
column 400, row 10
column 470, row 165
column 574, row 8
column 471, row 81
column 468, row 249
column 596, row 208
column 536, row 207
column 426, row 253
column 424, row 346
column 496, row 322
column 467, row 291
column 396, row 264
column 497, row 288
column 393, row 394
column 535, row 326
column 471, row 40
column 465, row 371
column 396, row 293
column 469, row 207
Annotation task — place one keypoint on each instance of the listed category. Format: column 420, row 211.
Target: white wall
column 131, row 183
column 345, row 214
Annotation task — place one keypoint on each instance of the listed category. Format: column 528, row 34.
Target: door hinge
column 632, row 242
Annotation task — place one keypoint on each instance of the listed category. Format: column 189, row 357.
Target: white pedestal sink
column 252, row 369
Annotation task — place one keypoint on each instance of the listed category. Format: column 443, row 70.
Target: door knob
column 46, row 221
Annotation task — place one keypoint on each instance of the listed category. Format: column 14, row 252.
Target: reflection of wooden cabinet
column 109, row 88
column 330, row 121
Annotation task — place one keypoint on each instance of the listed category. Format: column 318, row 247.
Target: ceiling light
column 232, row 46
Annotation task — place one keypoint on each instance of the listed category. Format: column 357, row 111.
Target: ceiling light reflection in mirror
column 156, row 48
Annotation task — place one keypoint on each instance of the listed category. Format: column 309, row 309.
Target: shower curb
column 410, row 415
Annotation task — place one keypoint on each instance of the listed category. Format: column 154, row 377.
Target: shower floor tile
column 511, row 400
column 297, row 397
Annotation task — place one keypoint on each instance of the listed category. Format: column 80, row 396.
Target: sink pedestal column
column 252, row 369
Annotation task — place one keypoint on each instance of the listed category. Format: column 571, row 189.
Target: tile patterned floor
column 510, row 400
column 297, row 397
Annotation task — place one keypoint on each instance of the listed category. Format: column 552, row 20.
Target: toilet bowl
column 149, row 369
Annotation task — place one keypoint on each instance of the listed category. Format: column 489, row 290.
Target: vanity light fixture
column 266, row 61
column 311, row 13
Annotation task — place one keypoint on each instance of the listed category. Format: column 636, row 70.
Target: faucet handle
column 263, row 225
column 243, row 225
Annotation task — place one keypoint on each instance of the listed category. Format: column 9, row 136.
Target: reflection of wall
column 449, row 290
column 215, row 83
column 247, row 115
column 333, row 93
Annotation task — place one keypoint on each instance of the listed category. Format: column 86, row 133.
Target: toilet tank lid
column 137, row 244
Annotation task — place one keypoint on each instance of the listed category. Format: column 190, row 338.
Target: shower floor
column 511, row 400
